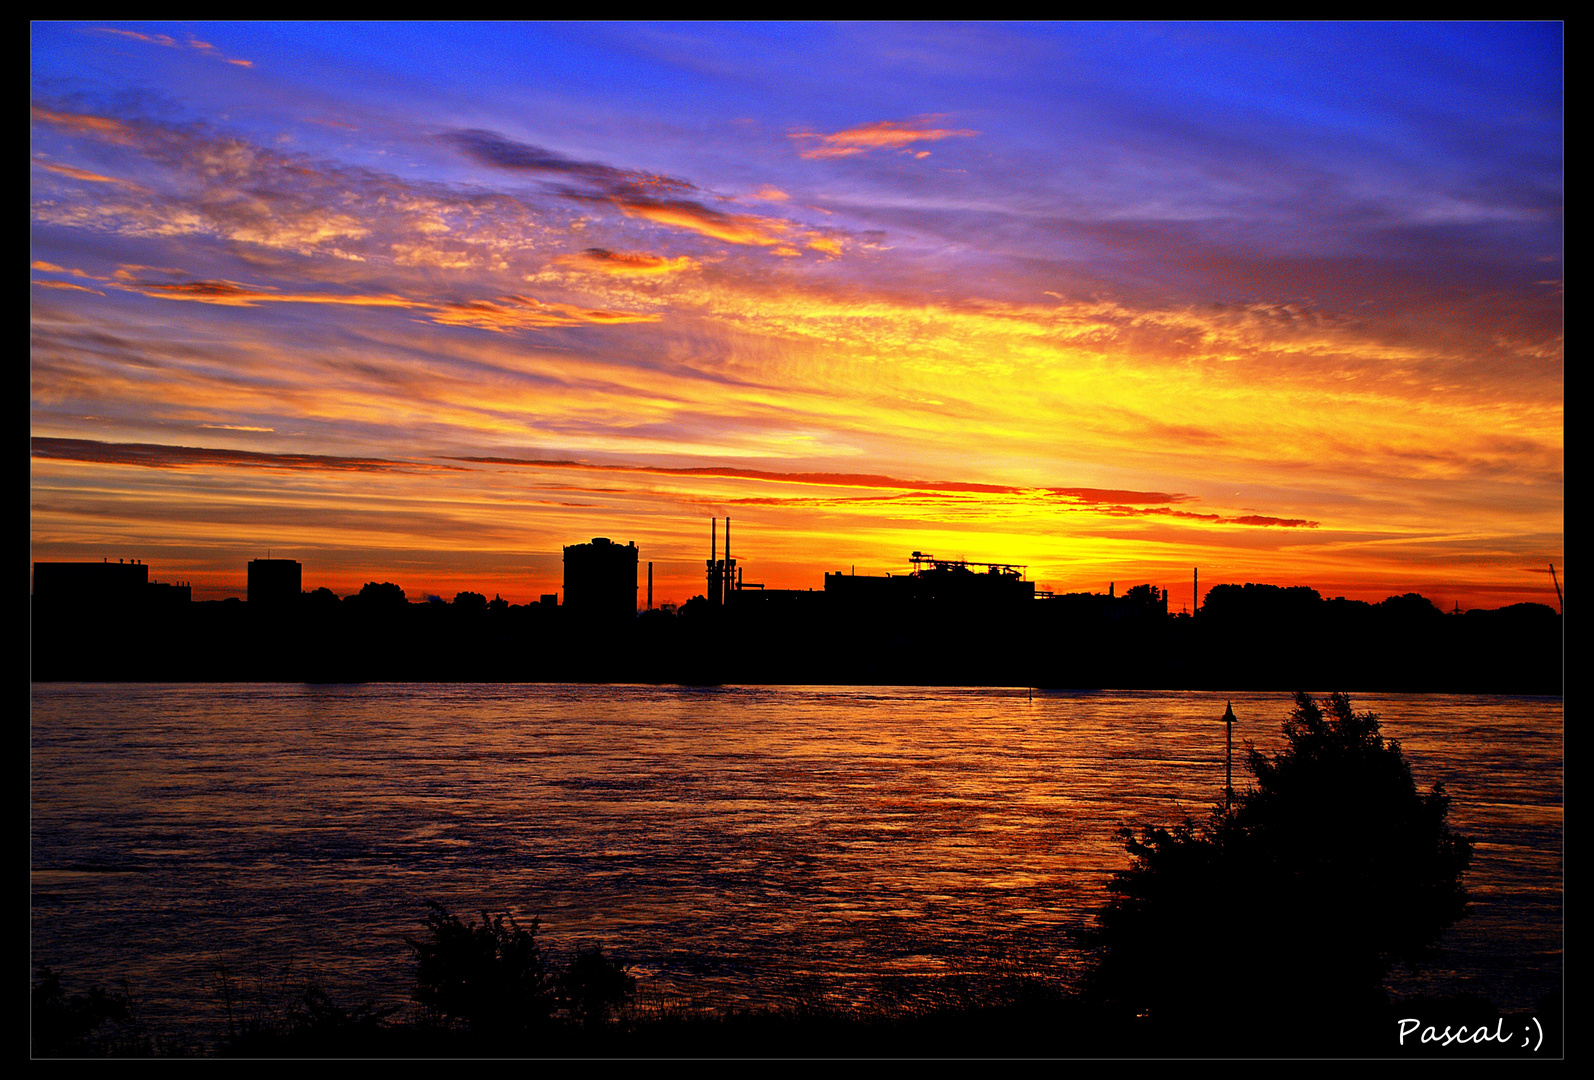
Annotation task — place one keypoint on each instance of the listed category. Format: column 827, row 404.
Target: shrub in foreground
column 1292, row 906
column 488, row 978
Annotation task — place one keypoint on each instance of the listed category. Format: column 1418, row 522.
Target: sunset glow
column 426, row 302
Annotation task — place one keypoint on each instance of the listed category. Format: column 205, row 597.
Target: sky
column 425, row 302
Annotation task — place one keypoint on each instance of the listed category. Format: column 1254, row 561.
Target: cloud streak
column 627, row 264
column 166, row 40
column 1114, row 502
column 857, row 480
column 636, row 194
column 880, row 135
column 155, row 456
column 500, row 314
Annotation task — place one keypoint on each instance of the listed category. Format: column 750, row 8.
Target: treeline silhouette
column 1266, row 931
column 1244, row 637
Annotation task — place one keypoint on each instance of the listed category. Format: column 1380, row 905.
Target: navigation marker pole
column 1228, row 768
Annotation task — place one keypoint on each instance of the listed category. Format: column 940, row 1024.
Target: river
column 733, row 845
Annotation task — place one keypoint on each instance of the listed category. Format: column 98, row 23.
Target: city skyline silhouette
column 947, row 621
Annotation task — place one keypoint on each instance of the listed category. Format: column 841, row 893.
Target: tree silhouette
column 1297, row 901
column 382, row 596
column 322, row 599
column 1409, row 608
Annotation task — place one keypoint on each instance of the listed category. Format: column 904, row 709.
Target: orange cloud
column 625, row 263
column 503, row 314
column 84, row 174
column 855, row 480
column 66, row 285
column 51, row 268
column 732, row 228
column 884, row 134
column 172, row 43
column 102, row 127
column 524, row 313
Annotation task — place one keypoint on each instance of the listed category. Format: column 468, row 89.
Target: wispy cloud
column 716, row 224
column 880, row 135
column 491, row 148
column 103, row 127
column 527, row 313
column 627, row 263
column 499, row 314
column 85, row 175
column 66, row 285
column 650, row 196
column 156, row 456
column 1115, row 500
column 170, row 42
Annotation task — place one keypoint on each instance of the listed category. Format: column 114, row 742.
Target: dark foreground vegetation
column 1265, row 931
column 1258, row 637
column 1015, row 1019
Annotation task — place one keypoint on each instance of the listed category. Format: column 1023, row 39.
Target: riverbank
column 1022, row 1020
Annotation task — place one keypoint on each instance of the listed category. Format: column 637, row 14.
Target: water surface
column 732, row 844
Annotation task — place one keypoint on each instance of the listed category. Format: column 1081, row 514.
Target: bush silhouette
column 488, row 978
column 64, row 1023
column 1297, row 901
column 592, row 986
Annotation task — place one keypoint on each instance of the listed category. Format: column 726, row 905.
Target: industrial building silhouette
column 600, row 580
column 275, row 583
column 123, row 584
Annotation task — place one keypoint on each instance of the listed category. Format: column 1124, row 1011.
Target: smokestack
column 650, row 584
column 727, row 579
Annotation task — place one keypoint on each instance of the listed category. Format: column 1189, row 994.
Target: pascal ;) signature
column 1463, row 1034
